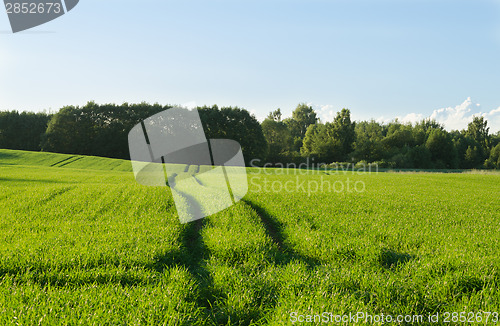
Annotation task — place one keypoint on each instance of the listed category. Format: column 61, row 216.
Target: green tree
column 495, row 139
column 494, row 160
column 100, row 130
column 275, row 115
column 398, row 136
column 421, row 157
column 236, row 124
column 478, row 131
column 305, row 116
column 302, row 117
column 342, row 131
column 319, row 144
column 331, row 141
column 278, row 137
column 423, row 128
column 440, row 145
column 22, row 131
column 461, row 144
column 368, row 145
column 473, row 157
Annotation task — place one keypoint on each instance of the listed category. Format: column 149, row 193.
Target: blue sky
column 381, row 59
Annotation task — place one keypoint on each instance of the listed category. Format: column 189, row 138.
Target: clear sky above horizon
column 381, row 59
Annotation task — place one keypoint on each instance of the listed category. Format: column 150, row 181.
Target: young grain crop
column 82, row 244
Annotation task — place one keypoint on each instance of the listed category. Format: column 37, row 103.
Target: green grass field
column 82, row 243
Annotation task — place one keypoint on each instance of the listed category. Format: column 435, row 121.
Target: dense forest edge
column 102, row 130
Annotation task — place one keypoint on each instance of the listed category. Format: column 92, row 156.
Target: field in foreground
column 82, row 243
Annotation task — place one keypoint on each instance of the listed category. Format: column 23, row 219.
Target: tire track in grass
column 55, row 194
column 70, row 162
column 274, row 230
column 66, row 159
column 193, row 256
column 198, row 181
column 197, row 255
column 287, row 255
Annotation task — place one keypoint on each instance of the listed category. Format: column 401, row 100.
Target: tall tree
column 275, row 115
column 478, row 130
column 278, row 137
column 331, row 141
column 302, row 117
column 398, row 136
column 320, row 145
column 473, row 157
column 305, row 116
column 494, row 159
column 443, row 152
column 22, row 131
column 368, row 144
column 423, row 128
column 236, row 124
column 342, row 131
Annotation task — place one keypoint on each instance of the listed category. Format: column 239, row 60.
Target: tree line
column 423, row 145
column 102, row 130
column 22, row 131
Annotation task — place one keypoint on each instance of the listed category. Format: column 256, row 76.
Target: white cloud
column 189, row 105
column 453, row 118
column 326, row 112
column 258, row 116
column 494, row 120
column 495, row 112
column 456, row 118
column 411, row 117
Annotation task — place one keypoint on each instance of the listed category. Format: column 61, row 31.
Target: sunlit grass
column 83, row 245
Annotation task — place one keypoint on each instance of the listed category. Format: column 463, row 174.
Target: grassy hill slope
column 14, row 157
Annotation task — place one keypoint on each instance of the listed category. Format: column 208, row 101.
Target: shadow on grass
column 6, row 155
column 109, row 271
column 391, row 259
column 192, row 256
column 469, row 284
column 62, row 161
column 274, row 229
